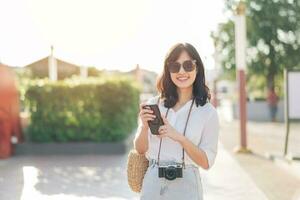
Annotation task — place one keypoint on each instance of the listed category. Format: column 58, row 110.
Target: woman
column 189, row 136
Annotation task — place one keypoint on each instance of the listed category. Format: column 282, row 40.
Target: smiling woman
column 190, row 130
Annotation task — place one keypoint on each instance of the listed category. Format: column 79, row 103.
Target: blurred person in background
column 272, row 100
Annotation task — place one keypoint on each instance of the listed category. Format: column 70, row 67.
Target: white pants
column 188, row 187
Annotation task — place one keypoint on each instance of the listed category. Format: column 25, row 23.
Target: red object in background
column 9, row 112
column 242, row 106
column 272, row 97
column 214, row 99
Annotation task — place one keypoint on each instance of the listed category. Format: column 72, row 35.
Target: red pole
column 240, row 56
column 242, row 107
column 214, row 94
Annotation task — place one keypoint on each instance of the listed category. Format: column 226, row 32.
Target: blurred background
column 72, row 75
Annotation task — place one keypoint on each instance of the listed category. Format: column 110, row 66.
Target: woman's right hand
column 145, row 114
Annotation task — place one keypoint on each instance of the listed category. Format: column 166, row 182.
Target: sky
column 107, row 34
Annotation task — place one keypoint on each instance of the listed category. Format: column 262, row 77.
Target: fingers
column 161, row 136
column 146, row 113
column 164, row 127
column 148, row 117
column 141, row 105
column 162, row 130
column 145, row 110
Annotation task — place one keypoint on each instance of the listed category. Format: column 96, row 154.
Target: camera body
column 170, row 172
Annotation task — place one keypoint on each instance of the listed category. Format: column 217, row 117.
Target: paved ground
column 278, row 180
column 234, row 176
column 104, row 177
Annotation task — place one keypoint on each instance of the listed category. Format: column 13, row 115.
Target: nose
column 181, row 70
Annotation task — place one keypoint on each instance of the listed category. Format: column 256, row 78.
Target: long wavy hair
column 165, row 85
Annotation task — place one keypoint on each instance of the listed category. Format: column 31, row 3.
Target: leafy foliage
column 86, row 110
column 273, row 36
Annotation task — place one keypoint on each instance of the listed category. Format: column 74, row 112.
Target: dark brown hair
column 165, row 85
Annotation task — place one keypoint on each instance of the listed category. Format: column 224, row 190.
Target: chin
column 183, row 85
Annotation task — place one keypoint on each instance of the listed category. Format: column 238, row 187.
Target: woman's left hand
column 167, row 130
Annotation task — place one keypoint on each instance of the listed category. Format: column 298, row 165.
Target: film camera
column 170, row 172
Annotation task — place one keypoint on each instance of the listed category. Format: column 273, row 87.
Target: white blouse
column 202, row 130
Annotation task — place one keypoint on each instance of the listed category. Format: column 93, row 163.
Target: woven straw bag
column 137, row 165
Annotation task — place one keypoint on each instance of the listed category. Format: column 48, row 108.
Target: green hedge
column 91, row 110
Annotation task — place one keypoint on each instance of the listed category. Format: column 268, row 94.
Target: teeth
column 182, row 78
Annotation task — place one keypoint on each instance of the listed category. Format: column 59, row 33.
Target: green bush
column 89, row 110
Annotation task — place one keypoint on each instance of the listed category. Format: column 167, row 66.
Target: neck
column 184, row 94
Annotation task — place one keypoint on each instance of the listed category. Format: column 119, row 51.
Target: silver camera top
column 171, row 164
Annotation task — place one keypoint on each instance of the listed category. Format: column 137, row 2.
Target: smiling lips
column 182, row 78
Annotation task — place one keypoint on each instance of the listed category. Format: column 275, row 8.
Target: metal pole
column 217, row 67
column 286, row 111
column 83, row 72
column 240, row 56
column 52, row 66
column 242, row 108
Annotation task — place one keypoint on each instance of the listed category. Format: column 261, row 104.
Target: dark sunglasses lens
column 174, row 67
column 188, row 66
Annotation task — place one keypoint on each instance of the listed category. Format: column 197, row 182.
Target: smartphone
column 157, row 121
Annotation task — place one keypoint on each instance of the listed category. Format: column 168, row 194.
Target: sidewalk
column 279, row 180
column 226, row 180
column 104, row 177
column 234, row 176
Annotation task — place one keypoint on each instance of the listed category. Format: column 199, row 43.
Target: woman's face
column 184, row 79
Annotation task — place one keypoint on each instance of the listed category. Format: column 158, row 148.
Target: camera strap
column 187, row 120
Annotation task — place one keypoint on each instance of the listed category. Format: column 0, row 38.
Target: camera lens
column 170, row 173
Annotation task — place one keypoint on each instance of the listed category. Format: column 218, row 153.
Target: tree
column 273, row 37
column 93, row 71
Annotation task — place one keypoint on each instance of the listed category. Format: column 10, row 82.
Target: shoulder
column 208, row 107
column 208, row 110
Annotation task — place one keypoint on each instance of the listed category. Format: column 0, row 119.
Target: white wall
column 259, row 111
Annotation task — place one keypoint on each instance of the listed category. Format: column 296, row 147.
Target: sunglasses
column 188, row 66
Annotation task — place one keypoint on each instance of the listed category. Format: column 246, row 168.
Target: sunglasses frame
column 181, row 65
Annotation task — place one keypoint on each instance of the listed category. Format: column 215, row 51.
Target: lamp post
column 217, row 68
column 52, row 66
column 240, row 57
column 83, row 72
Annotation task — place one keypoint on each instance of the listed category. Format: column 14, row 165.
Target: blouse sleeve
column 209, row 138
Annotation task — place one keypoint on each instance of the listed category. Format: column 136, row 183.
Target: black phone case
column 157, row 121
